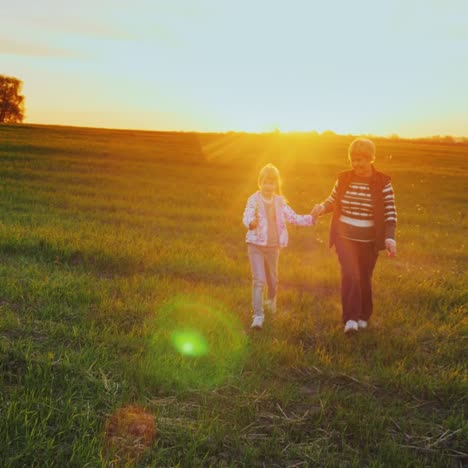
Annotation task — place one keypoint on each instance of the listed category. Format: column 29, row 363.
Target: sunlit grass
column 125, row 281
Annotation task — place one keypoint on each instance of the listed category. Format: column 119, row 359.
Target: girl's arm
column 250, row 212
column 294, row 218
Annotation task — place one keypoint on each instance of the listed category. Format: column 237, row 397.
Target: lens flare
column 189, row 343
column 192, row 344
column 129, row 432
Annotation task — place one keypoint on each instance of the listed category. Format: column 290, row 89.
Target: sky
column 362, row 67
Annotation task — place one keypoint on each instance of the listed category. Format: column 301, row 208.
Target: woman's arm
column 390, row 218
column 326, row 206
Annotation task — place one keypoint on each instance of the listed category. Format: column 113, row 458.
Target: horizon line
column 277, row 131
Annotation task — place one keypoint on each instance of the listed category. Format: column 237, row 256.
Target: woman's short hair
column 362, row 146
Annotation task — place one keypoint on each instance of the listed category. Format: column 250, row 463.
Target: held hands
column 390, row 245
column 317, row 211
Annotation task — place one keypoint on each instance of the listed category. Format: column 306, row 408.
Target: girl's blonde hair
column 362, row 146
column 272, row 171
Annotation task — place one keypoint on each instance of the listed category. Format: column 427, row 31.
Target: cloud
column 77, row 26
column 29, row 49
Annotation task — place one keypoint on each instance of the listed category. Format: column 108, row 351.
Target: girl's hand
column 390, row 245
column 253, row 224
column 317, row 211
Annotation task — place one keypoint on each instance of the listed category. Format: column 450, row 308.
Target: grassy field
column 125, row 283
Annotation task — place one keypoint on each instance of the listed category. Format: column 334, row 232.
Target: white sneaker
column 257, row 322
column 362, row 324
column 351, row 326
column 270, row 304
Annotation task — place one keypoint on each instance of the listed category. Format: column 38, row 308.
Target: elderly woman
column 363, row 222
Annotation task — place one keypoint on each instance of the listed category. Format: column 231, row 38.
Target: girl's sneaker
column 351, row 326
column 257, row 322
column 362, row 324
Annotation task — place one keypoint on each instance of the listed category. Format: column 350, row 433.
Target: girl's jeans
column 264, row 265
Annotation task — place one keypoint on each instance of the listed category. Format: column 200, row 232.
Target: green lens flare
column 192, row 343
column 189, row 343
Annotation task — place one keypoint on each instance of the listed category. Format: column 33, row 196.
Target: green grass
column 112, row 242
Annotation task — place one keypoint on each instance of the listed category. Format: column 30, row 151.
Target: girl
column 265, row 217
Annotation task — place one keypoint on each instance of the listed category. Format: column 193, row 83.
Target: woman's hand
column 390, row 245
column 317, row 211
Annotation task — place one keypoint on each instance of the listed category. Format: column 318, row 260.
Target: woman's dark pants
column 357, row 261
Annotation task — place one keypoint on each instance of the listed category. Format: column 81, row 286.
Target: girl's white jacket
column 284, row 213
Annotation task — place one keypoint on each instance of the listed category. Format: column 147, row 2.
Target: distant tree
column 11, row 100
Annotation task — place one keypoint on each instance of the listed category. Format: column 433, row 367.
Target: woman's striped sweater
column 356, row 220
